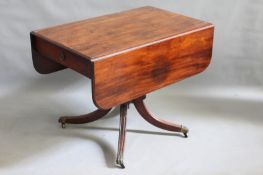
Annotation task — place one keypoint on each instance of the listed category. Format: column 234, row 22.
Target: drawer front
column 60, row 55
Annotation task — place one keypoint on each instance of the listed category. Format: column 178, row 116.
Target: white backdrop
column 223, row 105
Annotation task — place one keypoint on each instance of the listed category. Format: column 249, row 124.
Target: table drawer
column 47, row 50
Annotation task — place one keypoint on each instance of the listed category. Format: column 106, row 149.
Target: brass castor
column 120, row 163
column 185, row 131
column 63, row 122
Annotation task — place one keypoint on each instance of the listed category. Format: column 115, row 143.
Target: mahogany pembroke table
column 126, row 55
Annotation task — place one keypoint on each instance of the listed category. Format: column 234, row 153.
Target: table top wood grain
column 126, row 54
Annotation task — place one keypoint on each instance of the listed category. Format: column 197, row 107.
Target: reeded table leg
column 86, row 118
column 122, row 132
column 140, row 106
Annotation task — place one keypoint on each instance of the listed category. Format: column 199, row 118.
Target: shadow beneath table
column 246, row 110
column 29, row 124
column 137, row 131
column 29, row 116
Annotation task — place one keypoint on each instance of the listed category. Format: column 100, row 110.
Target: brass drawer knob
column 62, row 56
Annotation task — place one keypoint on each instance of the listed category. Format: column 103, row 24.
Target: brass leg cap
column 185, row 131
column 62, row 120
column 63, row 125
column 120, row 163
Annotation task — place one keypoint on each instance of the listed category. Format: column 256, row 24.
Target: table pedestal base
column 141, row 108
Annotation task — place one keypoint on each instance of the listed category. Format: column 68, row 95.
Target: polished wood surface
column 126, row 54
column 122, row 134
column 132, row 74
column 101, row 37
column 44, row 65
column 47, row 57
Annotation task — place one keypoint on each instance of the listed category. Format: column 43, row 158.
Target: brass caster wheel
column 63, row 125
column 185, row 131
column 120, row 163
column 63, row 122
